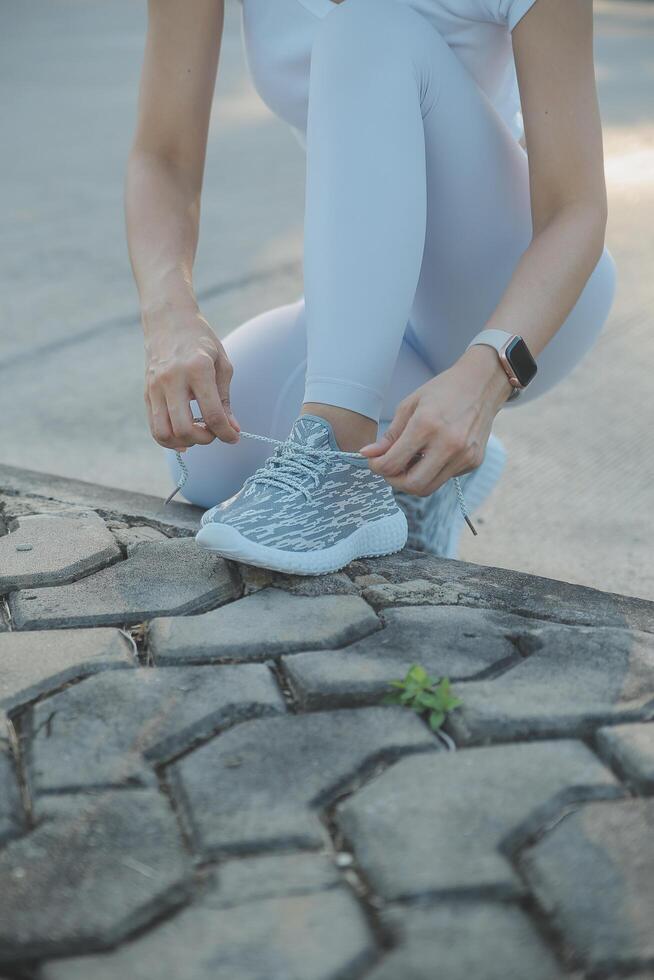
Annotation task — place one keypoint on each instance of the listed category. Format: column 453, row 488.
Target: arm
column 450, row 418
column 553, row 49
column 163, row 185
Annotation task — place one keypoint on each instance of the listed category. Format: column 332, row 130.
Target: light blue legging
column 417, row 210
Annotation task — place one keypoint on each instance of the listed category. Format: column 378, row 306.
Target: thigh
column 478, row 213
column 478, row 225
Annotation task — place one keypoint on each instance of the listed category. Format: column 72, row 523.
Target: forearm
column 162, row 212
column 545, row 285
column 551, row 275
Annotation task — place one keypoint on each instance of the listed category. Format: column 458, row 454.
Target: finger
column 417, row 479
column 432, row 472
column 224, row 374
column 160, row 425
column 205, row 392
column 460, row 468
column 459, row 458
column 412, row 441
column 181, row 418
column 393, row 432
column 378, row 448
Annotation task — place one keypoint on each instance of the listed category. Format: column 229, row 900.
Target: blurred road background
column 577, row 500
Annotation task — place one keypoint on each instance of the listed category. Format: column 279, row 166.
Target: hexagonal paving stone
column 579, row 678
column 53, row 548
column 443, row 822
column 262, row 625
column 131, row 538
column 501, row 589
column 108, row 729
column 247, row 879
column 260, row 784
column 420, row 592
column 317, row 936
column 92, row 873
column 32, row 664
column 11, row 817
column 631, row 749
column 463, row 940
column 448, row 641
column 594, row 875
column 171, row 577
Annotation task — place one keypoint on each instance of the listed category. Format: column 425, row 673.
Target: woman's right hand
column 184, row 360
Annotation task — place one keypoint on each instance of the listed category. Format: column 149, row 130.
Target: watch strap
column 492, row 338
column 496, row 339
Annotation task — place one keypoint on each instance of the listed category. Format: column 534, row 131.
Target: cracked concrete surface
column 169, row 807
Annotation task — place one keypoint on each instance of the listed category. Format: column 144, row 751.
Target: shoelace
column 269, row 474
column 288, row 460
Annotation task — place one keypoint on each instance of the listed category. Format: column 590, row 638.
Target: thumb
column 402, row 415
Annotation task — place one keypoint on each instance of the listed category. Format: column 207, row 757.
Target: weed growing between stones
column 424, row 694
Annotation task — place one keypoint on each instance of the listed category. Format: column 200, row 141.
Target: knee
column 372, row 44
column 357, row 32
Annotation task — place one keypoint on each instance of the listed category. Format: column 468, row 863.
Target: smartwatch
column 514, row 355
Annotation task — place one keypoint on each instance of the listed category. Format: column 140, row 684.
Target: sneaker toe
column 216, row 536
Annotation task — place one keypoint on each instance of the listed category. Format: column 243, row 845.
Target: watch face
column 523, row 364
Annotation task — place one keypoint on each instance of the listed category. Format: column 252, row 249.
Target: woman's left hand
column 447, row 420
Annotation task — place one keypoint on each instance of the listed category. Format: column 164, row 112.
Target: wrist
column 173, row 296
column 483, row 363
column 160, row 313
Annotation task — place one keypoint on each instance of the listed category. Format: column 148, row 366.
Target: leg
column 371, row 82
column 417, row 208
column 334, row 516
column 269, row 357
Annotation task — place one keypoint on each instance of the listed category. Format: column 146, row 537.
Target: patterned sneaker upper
column 303, row 498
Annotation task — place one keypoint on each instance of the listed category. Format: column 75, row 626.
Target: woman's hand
column 448, row 420
column 185, row 361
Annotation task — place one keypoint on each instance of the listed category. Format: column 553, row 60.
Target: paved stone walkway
column 198, row 779
column 580, row 460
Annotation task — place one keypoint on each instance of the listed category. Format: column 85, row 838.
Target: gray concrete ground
column 579, row 482
column 200, row 780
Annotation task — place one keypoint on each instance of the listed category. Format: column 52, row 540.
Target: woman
column 449, row 254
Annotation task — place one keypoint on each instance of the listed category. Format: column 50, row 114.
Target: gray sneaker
column 310, row 509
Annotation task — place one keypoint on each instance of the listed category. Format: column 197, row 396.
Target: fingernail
column 234, row 422
column 371, row 445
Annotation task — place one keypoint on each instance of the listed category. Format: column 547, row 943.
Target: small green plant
column 424, row 694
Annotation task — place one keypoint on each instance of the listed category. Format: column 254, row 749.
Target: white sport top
column 277, row 37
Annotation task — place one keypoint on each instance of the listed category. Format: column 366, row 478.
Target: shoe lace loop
column 281, row 470
column 287, row 467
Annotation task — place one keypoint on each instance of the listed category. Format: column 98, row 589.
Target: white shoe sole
column 372, row 539
column 478, row 488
